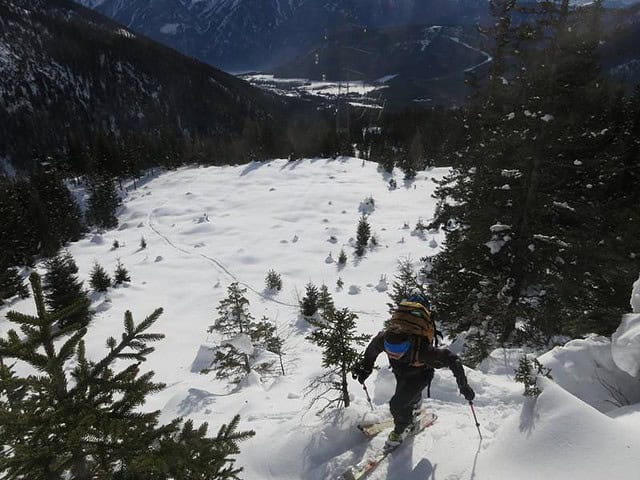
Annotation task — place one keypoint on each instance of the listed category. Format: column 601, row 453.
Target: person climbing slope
column 409, row 342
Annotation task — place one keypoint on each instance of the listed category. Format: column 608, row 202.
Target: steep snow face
column 625, row 345
column 586, row 368
column 558, row 436
column 625, row 342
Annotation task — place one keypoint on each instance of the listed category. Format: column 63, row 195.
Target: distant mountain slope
column 620, row 53
column 64, row 68
column 245, row 34
column 418, row 61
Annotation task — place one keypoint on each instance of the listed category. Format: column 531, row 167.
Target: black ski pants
column 410, row 382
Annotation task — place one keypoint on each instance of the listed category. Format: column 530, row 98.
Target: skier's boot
column 394, row 439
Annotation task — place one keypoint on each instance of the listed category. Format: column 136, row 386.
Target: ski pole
column 367, row 394
column 475, row 418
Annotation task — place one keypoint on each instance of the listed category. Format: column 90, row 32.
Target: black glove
column 467, row 392
column 360, row 373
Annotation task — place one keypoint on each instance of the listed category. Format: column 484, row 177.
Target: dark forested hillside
column 541, row 207
column 68, row 75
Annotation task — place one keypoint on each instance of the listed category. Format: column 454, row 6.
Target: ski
column 372, row 429
column 369, row 464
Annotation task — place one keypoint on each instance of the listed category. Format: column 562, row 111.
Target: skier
column 412, row 361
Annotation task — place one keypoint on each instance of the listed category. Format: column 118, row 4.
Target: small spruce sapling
column 273, row 281
column 362, row 236
column 335, row 334
column 342, row 258
column 405, row 280
column 528, row 372
column 233, row 321
column 121, row 274
column 325, row 300
column 99, row 279
column 309, row 303
column 244, row 340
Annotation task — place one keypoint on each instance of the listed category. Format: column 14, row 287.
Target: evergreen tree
column 530, row 188
column 11, row 284
column 309, row 303
column 243, row 339
column 121, row 274
column 405, row 281
column 233, row 315
column 264, row 336
column 273, row 281
column 414, row 158
column 362, row 236
column 63, row 289
column 99, row 280
column 57, row 216
column 143, row 243
column 234, row 323
column 528, row 372
column 342, row 258
column 80, row 419
column 103, row 203
column 38, row 216
column 325, row 300
column 335, row 334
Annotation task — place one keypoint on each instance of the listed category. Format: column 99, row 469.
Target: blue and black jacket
column 422, row 355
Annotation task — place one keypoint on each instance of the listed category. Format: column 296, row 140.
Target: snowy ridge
column 206, row 227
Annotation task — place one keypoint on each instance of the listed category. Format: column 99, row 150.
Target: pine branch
column 117, row 349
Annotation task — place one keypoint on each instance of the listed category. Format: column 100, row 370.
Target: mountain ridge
column 69, row 69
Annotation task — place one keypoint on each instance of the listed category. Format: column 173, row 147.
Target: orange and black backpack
column 414, row 319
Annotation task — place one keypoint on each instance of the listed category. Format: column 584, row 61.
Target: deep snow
column 207, row 227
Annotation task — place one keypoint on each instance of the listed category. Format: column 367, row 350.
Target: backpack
column 413, row 318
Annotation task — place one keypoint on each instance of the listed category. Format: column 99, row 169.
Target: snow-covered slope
column 558, row 436
column 207, row 227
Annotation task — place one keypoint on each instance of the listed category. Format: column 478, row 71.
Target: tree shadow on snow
column 250, row 167
column 528, row 416
column 196, row 401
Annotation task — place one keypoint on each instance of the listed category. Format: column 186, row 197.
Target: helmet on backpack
column 416, row 296
column 412, row 316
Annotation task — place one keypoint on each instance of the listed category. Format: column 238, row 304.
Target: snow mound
column 502, row 361
column 204, row 359
column 553, row 438
column 587, row 370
